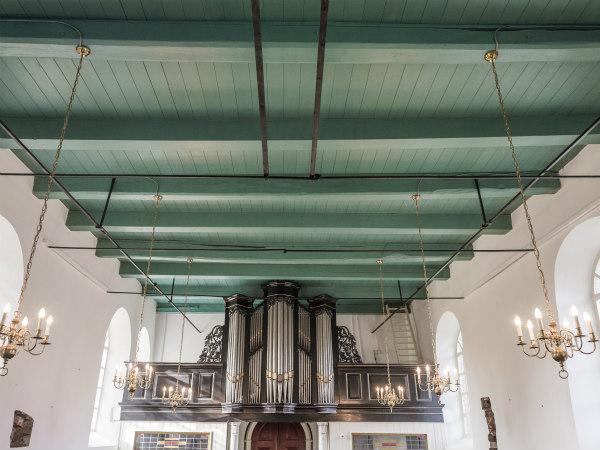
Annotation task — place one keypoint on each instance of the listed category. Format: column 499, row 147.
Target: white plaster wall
column 532, row 405
column 57, row 389
column 340, row 433
column 168, row 335
column 218, row 431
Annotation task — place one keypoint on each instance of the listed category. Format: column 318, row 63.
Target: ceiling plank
column 176, row 135
column 295, row 42
column 269, row 223
column 265, row 272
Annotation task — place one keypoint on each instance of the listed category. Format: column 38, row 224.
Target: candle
column 530, row 330
column 25, row 322
column 575, row 315
column 4, row 314
column 41, row 315
column 183, row 392
column 418, row 373
column 588, row 321
column 164, row 391
column 427, row 370
column 518, row 325
column 49, row 322
column 538, row 316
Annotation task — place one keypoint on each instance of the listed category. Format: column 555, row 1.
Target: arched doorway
column 278, row 436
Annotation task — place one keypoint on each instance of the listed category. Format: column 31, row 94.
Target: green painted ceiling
column 405, row 91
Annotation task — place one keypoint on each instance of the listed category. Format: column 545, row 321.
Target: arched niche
column 11, row 264
column 449, row 346
column 115, row 351
column 144, row 345
column 574, row 274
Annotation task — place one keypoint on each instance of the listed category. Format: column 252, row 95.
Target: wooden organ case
column 280, row 353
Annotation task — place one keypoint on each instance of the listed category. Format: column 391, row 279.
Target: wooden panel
column 354, row 386
column 205, row 385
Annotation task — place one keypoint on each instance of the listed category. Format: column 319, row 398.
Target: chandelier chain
column 383, row 312
column 53, row 168
column 157, row 199
column 416, row 198
column 190, row 261
column 492, row 59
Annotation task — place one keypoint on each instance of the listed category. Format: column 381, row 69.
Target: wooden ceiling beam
column 290, row 224
column 265, row 272
column 296, row 42
column 175, row 135
column 351, row 292
column 219, row 190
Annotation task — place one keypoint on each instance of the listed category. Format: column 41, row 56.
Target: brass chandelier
column 178, row 396
column 15, row 334
column 560, row 342
column 434, row 382
column 134, row 376
column 387, row 395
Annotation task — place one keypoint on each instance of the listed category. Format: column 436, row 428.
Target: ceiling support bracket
column 110, row 192
column 485, row 223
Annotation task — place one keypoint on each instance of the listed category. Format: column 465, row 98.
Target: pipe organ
column 280, row 352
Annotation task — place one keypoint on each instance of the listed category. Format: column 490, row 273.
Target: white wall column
column 323, row 435
column 234, row 435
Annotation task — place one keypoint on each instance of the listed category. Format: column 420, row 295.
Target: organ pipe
column 237, row 310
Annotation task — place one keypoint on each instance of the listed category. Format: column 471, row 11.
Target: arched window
column 100, row 385
column 144, row 343
column 11, row 264
column 104, row 427
column 463, row 390
column 449, row 341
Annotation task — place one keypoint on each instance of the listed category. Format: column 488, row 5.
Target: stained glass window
column 383, row 441
column 166, row 440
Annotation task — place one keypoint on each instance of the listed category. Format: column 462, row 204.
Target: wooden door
column 278, row 436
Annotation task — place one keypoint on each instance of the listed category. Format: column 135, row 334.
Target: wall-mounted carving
column 486, row 405
column 347, row 351
column 21, row 430
column 213, row 346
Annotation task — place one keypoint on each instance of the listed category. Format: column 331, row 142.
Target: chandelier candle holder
column 561, row 343
column 387, row 395
column 133, row 379
column 15, row 336
column 176, row 397
column 438, row 383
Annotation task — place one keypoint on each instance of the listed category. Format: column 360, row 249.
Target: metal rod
column 485, row 223
column 110, row 191
column 221, row 297
column 260, row 80
column 295, row 250
column 408, row 176
column 318, row 85
column 87, row 214
column 531, row 183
